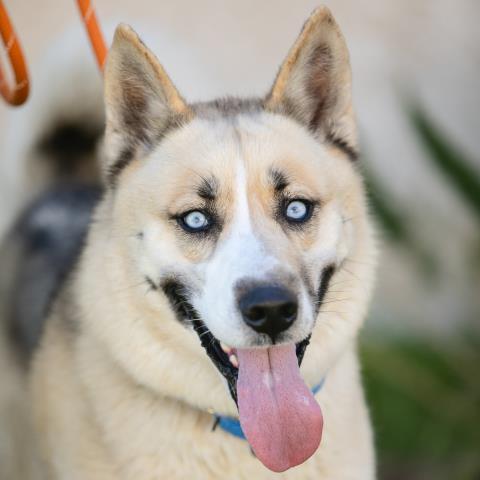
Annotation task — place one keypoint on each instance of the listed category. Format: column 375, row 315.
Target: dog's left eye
column 298, row 210
column 195, row 221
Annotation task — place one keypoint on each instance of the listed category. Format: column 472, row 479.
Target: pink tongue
column 278, row 413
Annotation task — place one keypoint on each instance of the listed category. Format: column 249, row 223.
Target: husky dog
column 208, row 327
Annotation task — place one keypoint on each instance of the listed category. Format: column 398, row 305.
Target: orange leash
column 17, row 94
column 93, row 30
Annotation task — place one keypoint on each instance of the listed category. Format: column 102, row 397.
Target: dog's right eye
column 194, row 221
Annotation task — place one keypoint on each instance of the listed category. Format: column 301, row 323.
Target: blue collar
column 232, row 425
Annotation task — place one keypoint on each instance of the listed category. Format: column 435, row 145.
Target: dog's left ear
column 141, row 101
column 314, row 82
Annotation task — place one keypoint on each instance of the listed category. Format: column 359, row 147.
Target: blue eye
column 195, row 221
column 298, row 210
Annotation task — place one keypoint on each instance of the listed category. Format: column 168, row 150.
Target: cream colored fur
column 120, row 389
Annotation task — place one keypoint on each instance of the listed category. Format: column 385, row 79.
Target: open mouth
column 278, row 413
column 225, row 358
column 222, row 356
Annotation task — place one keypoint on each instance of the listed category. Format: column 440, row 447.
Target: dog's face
column 239, row 213
column 237, row 227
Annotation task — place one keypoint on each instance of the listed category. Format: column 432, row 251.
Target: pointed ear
column 314, row 83
column 141, row 101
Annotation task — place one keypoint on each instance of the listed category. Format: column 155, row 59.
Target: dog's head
column 238, row 214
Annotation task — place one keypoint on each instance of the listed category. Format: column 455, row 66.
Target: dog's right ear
column 141, row 101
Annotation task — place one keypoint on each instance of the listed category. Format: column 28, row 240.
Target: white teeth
column 225, row 348
column 230, row 353
column 233, row 360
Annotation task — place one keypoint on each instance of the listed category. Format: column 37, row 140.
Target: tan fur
column 152, row 98
column 125, row 37
column 333, row 77
column 317, row 20
column 135, row 375
column 120, row 388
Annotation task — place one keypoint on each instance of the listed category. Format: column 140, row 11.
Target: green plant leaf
column 447, row 158
column 395, row 225
column 425, row 400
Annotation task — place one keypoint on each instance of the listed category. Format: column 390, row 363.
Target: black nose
column 268, row 309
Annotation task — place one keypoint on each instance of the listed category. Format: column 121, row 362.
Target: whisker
column 349, row 219
column 340, row 282
column 335, row 301
column 129, row 287
column 200, row 335
column 359, row 262
column 351, row 273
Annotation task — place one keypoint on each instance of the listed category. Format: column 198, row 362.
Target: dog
column 203, row 324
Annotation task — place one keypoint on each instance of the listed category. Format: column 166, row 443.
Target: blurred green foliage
column 425, row 394
column 395, row 225
column 458, row 170
column 425, row 401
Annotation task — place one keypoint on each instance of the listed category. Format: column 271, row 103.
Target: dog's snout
column 268, row 309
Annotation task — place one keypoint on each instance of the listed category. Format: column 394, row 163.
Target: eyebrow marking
column 279, row 180
column 208, row 188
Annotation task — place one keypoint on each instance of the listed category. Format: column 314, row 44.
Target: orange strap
column 93, row 30
column 17, row 94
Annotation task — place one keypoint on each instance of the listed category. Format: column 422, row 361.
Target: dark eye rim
column 180, row 218
column 308, row 215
